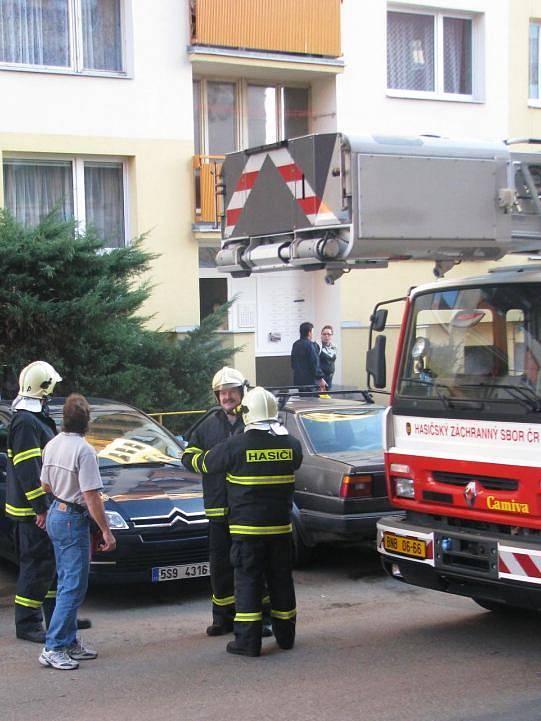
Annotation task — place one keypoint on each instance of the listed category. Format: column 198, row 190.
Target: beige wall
column 161, row 202
column 244, row 360
column 524, row 121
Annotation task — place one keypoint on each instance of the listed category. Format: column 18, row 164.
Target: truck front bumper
column 468, row 562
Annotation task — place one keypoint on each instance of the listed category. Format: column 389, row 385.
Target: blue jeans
column 69, row 532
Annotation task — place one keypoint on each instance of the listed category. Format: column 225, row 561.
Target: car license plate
column 174, row 573
column 407, row 546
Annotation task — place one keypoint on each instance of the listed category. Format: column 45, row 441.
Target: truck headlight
column 115, row 520
column 404, row 487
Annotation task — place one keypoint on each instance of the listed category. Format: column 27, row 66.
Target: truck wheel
column 302, row 554
column 498, row 606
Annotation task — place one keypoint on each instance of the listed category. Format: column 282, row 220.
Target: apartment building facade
column 121, row 112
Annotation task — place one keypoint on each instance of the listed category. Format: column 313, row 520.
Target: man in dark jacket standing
column 305, row 360
column 216, row 426
column 260, row 466
column 26, row 502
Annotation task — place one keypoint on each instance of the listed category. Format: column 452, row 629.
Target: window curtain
column 104, row 202
column 34, row 32
column 34, row 189
column 295, row 103
column 261, row 108
column 457, row 55
column 222, row 109
column 533, row 92
column 102, row 39
column 410, row 51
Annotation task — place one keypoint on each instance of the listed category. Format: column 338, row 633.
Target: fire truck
column 462, row 436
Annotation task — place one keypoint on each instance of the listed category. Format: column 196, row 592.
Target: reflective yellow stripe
column 284, row 615
column 28, row 602
column 249, row 616
column 36, row 493
column 203, row 464
column 25, row 455
column 259, row 480
column 10, row 453
column 195, row 462
column 13, row 511
column 260, row 530
column 265, row 599
column 216, row 512
column 226, row 601
column 193, row 449
column 50, row 594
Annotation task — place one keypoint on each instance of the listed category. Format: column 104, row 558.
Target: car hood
column 356, row 458
column 151, row 491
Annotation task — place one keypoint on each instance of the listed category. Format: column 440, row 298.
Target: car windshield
column 337, row 431
column 123, row 436
column 472, row 346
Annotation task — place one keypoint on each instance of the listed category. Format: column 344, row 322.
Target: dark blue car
column 154, row 505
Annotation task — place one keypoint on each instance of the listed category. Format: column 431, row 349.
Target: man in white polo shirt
column 70, row 472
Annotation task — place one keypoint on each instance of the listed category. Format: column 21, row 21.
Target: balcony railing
column 307, row 27
column 208, row 206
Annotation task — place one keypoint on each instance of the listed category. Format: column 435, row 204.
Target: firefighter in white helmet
column 26, row 502
column 259, row 467
column 214, row 427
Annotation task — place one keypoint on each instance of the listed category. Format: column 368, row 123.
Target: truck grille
column 462, row 479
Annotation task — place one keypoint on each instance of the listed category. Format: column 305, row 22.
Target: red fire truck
column 463, row 428
column 463, row 439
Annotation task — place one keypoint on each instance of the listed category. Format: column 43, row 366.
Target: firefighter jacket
column 28, row 434
column 211, row 430
column 259, row 469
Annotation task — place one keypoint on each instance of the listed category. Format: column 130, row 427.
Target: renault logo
column 470, row 493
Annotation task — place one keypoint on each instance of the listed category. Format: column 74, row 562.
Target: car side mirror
column 376, row 363
column 378, row 320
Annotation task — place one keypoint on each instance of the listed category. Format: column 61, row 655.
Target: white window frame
column 534, row 102
column 476, row 56
column 75, row 39
column 241, row 101
column 78, row 182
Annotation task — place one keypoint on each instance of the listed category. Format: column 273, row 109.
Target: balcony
column 208, row 206
column 302, row 27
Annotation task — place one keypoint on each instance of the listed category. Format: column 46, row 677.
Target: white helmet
column 259, row 406
column 227, row 377
column 38, row 380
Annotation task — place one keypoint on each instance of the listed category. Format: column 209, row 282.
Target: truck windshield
column 472, row 346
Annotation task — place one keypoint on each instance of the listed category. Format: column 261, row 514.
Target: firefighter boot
column 235, row 648
column 220, row 629
column 28, row 624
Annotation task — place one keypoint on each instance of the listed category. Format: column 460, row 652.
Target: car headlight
column 404, row 487
column 115, row 520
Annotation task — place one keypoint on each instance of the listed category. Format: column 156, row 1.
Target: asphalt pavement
column 368, row 649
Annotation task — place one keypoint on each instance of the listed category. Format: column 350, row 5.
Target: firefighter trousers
column 36, row 584
column 221, row 573
column 256, row 560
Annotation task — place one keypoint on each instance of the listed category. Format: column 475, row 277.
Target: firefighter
column 217, row 425
column 26, row 502
column 259, row 467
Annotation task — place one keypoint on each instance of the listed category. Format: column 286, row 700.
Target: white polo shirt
column 70, row 466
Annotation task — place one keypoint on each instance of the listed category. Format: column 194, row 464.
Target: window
column 533, row 93
column 232, row 115
column 78, row 35
column 430, row 53
column 93, row 191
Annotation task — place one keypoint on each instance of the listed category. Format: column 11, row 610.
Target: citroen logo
column 470, row 493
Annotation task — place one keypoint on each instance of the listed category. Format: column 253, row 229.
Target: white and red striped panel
column 519, row 564
column 312, row 206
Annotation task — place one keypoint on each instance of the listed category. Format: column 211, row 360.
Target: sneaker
column 58, row 659
column 79, row 652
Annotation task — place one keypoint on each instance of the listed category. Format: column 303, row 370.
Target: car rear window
column 344, row 430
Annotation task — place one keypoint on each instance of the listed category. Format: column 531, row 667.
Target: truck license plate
column 174, row 573
column 406, row 546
